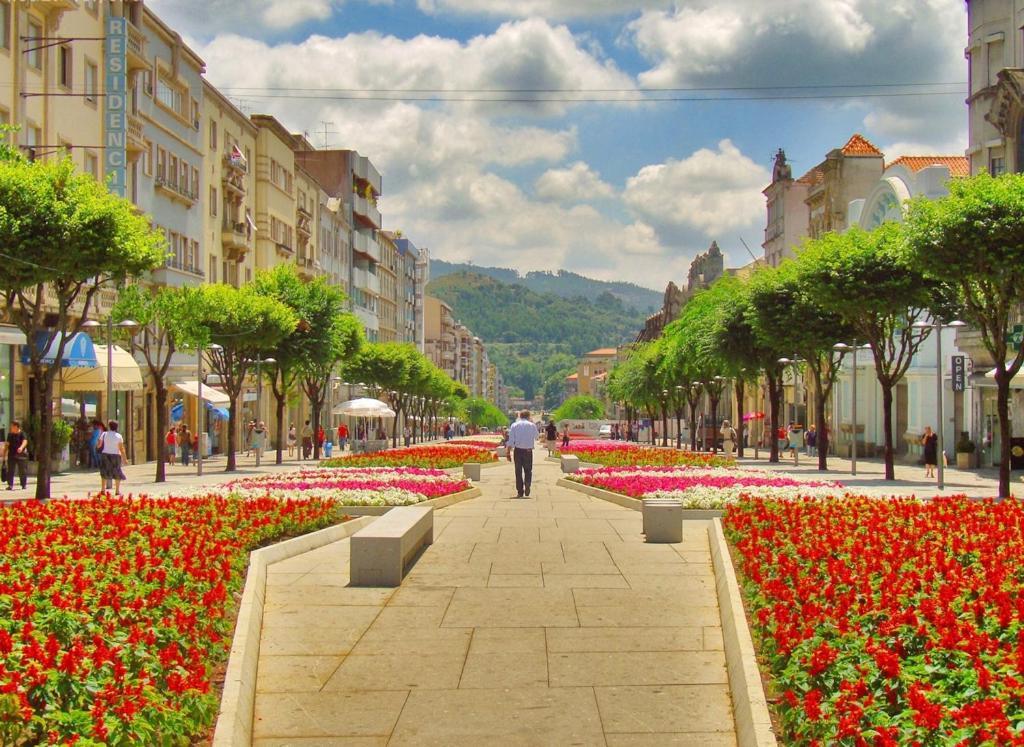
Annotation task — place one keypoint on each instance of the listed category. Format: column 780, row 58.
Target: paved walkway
column 534, row 622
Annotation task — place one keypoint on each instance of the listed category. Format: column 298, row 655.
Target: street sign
column 1015, row 336
column 959, row 368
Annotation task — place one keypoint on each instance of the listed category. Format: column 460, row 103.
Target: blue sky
column 616, row 191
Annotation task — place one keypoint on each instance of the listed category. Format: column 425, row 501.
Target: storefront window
column 6, row 386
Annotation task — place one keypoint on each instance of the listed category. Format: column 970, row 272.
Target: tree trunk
column 280, row 401
column 740, row 426
column 1003, row 409
column 315, row 406
column 693, row 425
column 890, row 469
column 679, row 427
column 44, row 396
column 652, row 415
column 161, row 431
column 664, row 425
column 714, row 425
column 773, row 417
column 394, row 426
column 232, row 435
column 822, row 436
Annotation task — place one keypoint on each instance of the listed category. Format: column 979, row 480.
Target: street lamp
column 938, row 326
column 127, row 325
column 213, row 347
column 844, row 348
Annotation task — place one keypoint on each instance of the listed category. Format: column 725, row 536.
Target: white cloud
column 576, row 183
column 557, row 9
column 710, row 192
column 204, row 18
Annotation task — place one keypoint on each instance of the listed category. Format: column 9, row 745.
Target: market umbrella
column 365, row 407
column 753, row 416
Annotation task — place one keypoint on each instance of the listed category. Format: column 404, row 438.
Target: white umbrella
column 365, row 407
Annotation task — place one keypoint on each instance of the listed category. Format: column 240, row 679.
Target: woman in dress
column 930, row 442
column 171, row 441
column 728, row 434
column 112, row 456
column 292, row 440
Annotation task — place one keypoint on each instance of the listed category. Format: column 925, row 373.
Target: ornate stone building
column 705, row 269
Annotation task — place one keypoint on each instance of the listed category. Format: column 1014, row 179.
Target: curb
column 439, row 502
column 691, row 514
column 238, row 700
column 457, row 471
column 750, row 706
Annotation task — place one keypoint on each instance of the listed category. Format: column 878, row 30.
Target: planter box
column 964, row 460
column 441, row 502
column 691, row 514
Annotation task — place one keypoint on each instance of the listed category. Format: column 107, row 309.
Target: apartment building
column 307, row 223
column 390, row 282
column 230, row 234
column 410, row 321
column 422, row 278
column 335, row 249
column 439, row 335
column 788, row 214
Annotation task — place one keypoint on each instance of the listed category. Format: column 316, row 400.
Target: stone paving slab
column 527, row 622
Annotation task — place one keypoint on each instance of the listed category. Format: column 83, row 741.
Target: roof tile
column 858, row 145
column 958, row 166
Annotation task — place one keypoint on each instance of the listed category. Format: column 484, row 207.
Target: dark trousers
column 307, row 447
column 523, row 459
column 21, row 465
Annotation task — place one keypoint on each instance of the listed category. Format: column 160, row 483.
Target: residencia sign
column 115, row 125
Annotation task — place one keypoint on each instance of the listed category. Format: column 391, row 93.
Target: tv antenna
column 748, row 249
column 326, row 130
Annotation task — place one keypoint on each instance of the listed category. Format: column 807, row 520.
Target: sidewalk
column 533, row 622
column 870, row 478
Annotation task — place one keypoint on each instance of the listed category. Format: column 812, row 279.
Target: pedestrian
column 812, row 441
column 321, row 437
column 447, row 431
column 249, row 428
column 794, row 438
column 94, row 444
column 930, row 442
column 551, row 436
column 171, row 442
column 342, row 437
column 112, row 456
column 16, row 455
column 565, row 436
column 259, row 439
column 291, row 440
column 407, row 435
column 522, row 437
column 307, row 441
column 728, row 438
column 185, row 441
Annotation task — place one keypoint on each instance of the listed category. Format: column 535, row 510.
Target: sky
column 598, row 156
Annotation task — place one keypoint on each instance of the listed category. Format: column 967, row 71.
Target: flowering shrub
column 624, row 453
column 888, row 622
column 695, row 487
column 478, row 442
column 443, row 456
column 360, row 486
column 114, row 612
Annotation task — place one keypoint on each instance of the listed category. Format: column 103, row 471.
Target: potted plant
column 60, row 438
column 964, row 451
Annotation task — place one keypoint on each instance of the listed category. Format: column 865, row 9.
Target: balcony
column 176, row 273
column 308, row 267
column 135, row 144
column 366, row 281
column 364, row 243
column 176, row 192
column 303, row 220
column 365, row 212
column 364, row 170
column 284, row 249
column 236, row 164
column 234, row 182
column 235, row 240
column 136, row 49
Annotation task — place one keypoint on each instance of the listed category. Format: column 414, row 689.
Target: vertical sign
column 959, row 373
column 115, row 115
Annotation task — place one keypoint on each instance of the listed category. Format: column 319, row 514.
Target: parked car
column 606, row 431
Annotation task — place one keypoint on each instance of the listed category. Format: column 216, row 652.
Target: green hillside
column 533, row 337
column 562, row 283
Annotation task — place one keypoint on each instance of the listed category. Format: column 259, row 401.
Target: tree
column 236, row 326
column 974, row 238
column 787, row 316
column 580, row 407
column 63, row 238
column 636, row 381
column 342, row 337
column 482, row 414
column 165, row 319
column 874, row 283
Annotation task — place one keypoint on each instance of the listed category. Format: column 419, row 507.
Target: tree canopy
column 580, row 407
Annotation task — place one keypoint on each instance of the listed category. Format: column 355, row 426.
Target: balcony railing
column 176, row 191
column 284, row 248
column 236, row 164
column 185, row 266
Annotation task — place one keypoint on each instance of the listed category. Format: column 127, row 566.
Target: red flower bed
column 114, row 612
column 888, row 622
column 442, row 456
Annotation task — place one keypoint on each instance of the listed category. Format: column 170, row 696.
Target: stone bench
column 663, row 520
column 471, row 471
column 570, row 463
column 381, row 553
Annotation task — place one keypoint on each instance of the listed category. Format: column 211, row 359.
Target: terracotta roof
column 957, row 165
column 571, row 377
column 812, row 177
column 603, row 351
column 858, row 145
column 600, row 377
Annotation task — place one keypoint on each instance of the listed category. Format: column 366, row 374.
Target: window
column 213, row 270
column 996, row 165
column 172, row 171
column 147, row 159
column 195, row 182
column 213, row 134
column 64, row 65
column 161, row 164
column 213, row 203
column 92, row 76
column 995, row 61
column 183, row 173
column 34, row 58
column 195, row 115
column 92, row 164
column 170, row 96
column 194, row 254
column 5, row 24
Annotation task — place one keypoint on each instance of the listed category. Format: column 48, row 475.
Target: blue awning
column 219, row 413
column 177, row 411
column 78, row 351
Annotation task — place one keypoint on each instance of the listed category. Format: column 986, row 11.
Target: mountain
column 535, row 337
column 562, row 283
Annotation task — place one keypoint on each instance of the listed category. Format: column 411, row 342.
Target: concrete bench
column 382, row 552
column 663, row 520
column 471, row 471
column 570, row 463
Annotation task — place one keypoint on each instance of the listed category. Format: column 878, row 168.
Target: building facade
column 788, row 214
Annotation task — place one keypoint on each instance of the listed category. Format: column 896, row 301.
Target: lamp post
column 199, row 403
column 843, row 347
column 129, row 326
column 938, row 326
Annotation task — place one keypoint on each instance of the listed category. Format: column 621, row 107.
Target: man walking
column 522, row 436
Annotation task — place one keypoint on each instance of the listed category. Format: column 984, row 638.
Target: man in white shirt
column 522, row 435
